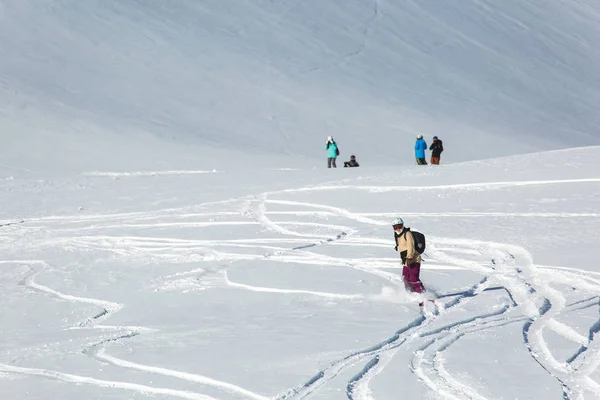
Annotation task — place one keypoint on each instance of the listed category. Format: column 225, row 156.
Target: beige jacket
column 406, row 247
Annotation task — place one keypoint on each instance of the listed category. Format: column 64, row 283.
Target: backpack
column 337, row 150
column 419, row 239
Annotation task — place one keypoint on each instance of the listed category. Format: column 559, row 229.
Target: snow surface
column 202, row 286
column 168, row 229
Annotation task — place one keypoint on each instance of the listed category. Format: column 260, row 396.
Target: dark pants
column 435, row 160
column 421, row 161
column 330, row 162
column 410, row 276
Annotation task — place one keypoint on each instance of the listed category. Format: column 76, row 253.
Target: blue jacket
column 420, row 147
column 331, row 150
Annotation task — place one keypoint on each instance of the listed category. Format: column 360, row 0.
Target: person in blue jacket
column 332, row 152
column 420, row 147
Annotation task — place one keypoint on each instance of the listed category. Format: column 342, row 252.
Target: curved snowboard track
column 98, row 350
column 107, row 309
column 508, row 266
column 403, row 336
column 539, row 303
column 531, row 298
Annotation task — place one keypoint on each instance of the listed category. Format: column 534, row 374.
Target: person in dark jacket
column 436, row 150
column 351, row 163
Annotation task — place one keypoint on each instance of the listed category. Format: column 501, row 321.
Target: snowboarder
column 420, row 147
column 436, row 150
column 411, row 259
column 332, row 152
column 352, row 162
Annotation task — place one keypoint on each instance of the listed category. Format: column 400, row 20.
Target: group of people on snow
column 333, row 152
column 436, row 149
column 406, row 242
column 409, row 244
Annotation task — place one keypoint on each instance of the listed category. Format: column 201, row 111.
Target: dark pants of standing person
column 331, row 162
column 421, row 161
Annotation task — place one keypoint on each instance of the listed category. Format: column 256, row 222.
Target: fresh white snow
column 296, row 292
column 168, row 228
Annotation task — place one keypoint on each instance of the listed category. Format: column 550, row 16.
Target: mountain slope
column 274, row 77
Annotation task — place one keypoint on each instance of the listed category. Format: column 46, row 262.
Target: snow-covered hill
column 285, row 286
column 169, row 84
column 168, row 228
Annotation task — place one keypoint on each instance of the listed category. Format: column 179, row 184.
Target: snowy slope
column 169, row 84
column 167, row 228
column 209, row 286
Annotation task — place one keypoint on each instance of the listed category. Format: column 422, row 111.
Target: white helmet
column 419, row 136
column 397, row 221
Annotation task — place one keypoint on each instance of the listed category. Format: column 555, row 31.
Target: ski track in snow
column 97, row 350
column 76, row 379
column 147, row 173
column 458, row 186
column 100, row 354
column 528, row 296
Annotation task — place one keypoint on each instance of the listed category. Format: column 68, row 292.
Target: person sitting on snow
column 351, row 163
